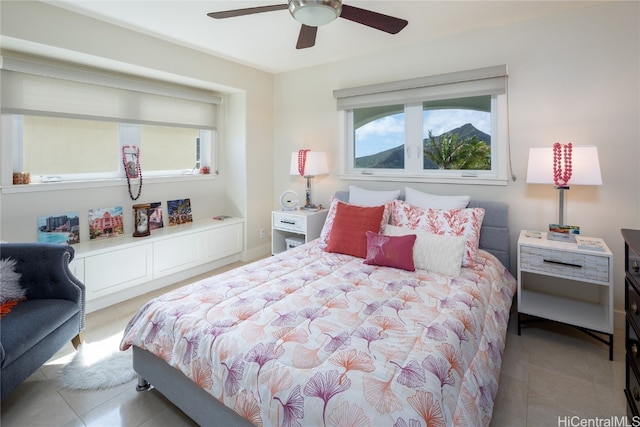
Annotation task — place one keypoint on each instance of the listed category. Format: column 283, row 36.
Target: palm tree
column 450, row 152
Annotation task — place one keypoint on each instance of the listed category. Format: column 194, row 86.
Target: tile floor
column 550, row 371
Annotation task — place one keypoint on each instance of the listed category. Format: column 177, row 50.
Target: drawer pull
column 288, row 222
column 634, row 349
column 568, row 264
column 636, row 394
column 634, row 307
column 635, row 266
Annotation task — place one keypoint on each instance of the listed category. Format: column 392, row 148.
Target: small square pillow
column 350, row 225
column 10, row 289
column 328, row 223
column 361, row 197
column 432, row 201
column 452, row 222
column 434, row 252
column 390, row 251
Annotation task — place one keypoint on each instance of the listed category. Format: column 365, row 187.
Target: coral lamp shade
column 584, row 162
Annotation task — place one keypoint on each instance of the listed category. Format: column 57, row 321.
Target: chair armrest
column 45, row 271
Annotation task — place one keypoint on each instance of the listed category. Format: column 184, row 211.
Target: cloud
column 383, row 126
column 441, row 121
column 379, row 135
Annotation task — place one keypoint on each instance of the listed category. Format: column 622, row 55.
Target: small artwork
column 179, row 211
column 155, row 216
column 63, row 228
column 105, row 223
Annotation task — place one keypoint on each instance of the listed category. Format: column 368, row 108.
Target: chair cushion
column 29, row 322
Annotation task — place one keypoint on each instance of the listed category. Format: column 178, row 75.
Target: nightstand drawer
column 567, row 264
column 284, row 221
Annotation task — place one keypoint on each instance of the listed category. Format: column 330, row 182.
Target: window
column 449, row 128
column 68, row 122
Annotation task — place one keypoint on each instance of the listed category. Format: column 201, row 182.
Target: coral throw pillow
column 448, row 222
column 349, row 230
column 390, row 251
column 328, row 223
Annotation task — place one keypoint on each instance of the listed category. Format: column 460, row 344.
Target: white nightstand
column 301, row 224
column 559, row 282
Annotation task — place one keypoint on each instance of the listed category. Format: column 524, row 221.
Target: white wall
column 247, row 142
column 573, row 77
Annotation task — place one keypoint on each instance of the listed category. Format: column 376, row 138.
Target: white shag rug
column 96, row 367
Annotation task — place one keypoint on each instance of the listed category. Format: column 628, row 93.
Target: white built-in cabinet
column 120, row 268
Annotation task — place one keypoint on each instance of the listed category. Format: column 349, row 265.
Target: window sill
column 98, row 183
column 433, row 180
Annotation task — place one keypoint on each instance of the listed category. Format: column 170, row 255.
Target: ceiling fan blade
column 379, row 21
column 246, row 11
column 307, row 37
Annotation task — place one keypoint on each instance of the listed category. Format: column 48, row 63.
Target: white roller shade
column 482, row 81
column 39, row 88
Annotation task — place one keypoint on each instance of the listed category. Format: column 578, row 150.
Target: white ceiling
column 267, row 40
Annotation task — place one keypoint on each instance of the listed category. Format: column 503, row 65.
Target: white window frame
column 416, row 91
column 129, row 134
column 128, row 99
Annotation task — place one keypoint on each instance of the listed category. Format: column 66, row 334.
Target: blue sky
column 387, row 132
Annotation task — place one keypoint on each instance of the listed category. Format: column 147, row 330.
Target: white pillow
column 10, row 289
column 361, row 197
column 434, row 252
column 432, row 201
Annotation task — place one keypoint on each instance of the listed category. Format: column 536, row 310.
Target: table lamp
column 308, row 164
column 562, row 165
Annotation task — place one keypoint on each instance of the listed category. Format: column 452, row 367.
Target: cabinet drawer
column 177, row 254
column 632, row 347
column 632, row 303
column 567, row 264
column 118, row 270
column 284, row 221
column 633, row 390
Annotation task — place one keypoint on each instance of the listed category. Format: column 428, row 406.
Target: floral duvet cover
column 310, row 338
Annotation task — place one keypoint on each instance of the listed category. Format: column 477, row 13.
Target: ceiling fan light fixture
column 315, row 13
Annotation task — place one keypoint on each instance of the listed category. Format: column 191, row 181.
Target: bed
column 311, row 337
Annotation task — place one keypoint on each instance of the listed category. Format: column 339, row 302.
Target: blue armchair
column 52, row 314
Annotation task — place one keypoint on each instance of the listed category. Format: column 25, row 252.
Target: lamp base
column 311, row 208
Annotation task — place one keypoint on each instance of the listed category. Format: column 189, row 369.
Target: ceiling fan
column 314, row 13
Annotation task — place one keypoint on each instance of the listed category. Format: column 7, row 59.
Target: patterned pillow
column 328, row 223
column 390, row 251
column 452, row 222
column 350, row 225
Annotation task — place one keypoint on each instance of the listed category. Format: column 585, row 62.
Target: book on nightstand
column 533, row 234
column 590, row 244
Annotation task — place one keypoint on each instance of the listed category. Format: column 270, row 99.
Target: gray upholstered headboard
column 494, row 233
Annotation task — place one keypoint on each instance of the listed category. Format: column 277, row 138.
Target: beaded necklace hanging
column 132, row 168
column 562, row 152
column 302, row 161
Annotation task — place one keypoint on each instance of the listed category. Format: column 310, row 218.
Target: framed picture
column 141, row 220
column 105, row 223
column 155, row 216
column 63, row 228
column 179, row 211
